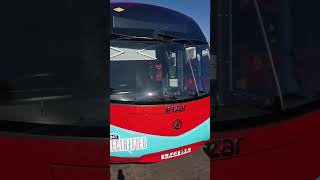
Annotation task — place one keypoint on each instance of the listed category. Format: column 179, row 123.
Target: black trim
column 11, row 127
column 75, row 118
column 158, row 102
column 219, row 127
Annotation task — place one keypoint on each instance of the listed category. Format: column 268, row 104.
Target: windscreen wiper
column 116, row 36
column 179, row 40
column 160, row 37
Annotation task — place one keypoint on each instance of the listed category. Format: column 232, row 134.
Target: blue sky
column 199, row 10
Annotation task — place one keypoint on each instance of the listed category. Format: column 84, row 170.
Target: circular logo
column 177, row 124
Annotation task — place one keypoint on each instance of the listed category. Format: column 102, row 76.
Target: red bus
column 266, row 95
column 159, row 69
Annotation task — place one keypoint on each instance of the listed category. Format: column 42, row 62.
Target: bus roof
column 140, row 3
column 191, row 28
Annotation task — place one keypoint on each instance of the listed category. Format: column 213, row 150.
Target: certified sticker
column 114, row 136
column 127, row 144
column 175, row 153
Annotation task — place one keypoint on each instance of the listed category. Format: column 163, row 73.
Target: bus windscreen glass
column 154, row 72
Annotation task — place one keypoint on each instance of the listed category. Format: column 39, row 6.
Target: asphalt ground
column 195, row 166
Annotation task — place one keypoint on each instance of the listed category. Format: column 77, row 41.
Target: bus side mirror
column 191, row 52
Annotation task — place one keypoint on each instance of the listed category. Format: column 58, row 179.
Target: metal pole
column 269, row 52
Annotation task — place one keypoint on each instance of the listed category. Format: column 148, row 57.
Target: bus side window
column 256, row 72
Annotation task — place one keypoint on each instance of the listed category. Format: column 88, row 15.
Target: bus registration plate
column 175, row 153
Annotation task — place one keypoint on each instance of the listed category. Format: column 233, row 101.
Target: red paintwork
column 287, row 150
column 41, row 158
column 153, row 119
column 156, row 157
